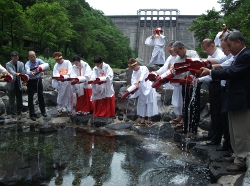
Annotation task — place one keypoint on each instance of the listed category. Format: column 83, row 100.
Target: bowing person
column 103, row 93
column 147, row 97
column 62, row 69
column 34, row 84
column 82, row 72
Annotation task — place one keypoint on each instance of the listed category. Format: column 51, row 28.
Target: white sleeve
column 149, row 41
column 2, row 69
column 164, row 68
column 205, row 79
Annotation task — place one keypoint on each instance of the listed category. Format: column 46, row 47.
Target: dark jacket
column 238, row 82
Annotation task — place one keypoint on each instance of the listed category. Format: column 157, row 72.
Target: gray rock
column 119, row 126
column 3, row 86
column 100, row 121
column 81, row 120
column 166, row 96
column 50, row 98
column 117, row 85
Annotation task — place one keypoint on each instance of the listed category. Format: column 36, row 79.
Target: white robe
column 158, row 54
column 83, row 71
column 147, row 101
column 177, row 100
column 169, row 63
column 65, row 94
column 105, row 89
column 2, row 69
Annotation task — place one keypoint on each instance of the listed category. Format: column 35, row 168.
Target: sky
column 130, row 7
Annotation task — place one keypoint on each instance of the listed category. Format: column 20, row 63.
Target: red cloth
column 83, row 102
column 105, row 107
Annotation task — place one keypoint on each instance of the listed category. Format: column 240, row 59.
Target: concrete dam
column 138, row 27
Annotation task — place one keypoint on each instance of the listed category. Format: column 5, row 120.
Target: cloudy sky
column 130, row 7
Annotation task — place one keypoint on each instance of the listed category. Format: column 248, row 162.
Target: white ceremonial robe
column 147, row 97
column 177, row 100
column 65, row 93
column 2, row 69
column 105, row 89
column 158, row 54
column 83, row 71
column 167, row 65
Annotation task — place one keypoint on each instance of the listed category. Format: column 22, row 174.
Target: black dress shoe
column 212, row 143
column 44, row 114
column 33, row 118
column 222, row 148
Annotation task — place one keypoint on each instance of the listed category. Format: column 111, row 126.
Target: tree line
column 235, row 14
column 72, row 27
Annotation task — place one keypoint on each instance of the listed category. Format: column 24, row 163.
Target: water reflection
column 80, row 157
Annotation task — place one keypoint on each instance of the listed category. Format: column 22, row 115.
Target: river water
column 88, row 157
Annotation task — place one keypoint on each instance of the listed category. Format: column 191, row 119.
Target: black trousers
column 16, row 100
column 225, row 124
column 35, row 86
column 216, row 128
column 191, row 108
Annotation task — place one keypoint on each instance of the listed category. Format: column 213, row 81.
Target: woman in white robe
column 82, row 71
column 147, row 97
column 65, row 95
column 103, row 93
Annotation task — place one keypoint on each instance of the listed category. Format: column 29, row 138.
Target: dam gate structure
column 139, row 27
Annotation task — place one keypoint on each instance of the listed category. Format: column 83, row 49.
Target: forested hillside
column 69, row 26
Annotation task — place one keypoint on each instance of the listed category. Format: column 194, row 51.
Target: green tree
column 12, row 21
column 48, row 25
column 12, row 27
column 237, row 16
column 206, row 26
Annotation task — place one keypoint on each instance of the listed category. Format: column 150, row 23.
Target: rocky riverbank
column 160, row 129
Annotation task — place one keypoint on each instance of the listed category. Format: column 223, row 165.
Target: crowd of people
column 229, row 89
column 93, row 87
column 228, row 79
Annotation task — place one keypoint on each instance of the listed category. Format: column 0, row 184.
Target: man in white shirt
column 215, row 131
column 191, row 112
column 221, row 35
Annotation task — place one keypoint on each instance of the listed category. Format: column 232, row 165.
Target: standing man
column 103, row 93
column 63, row 69
column 158, row 42
column 177, row 100
column 14, row 88
column 237, row 98
column 215, row 130
column 191, row 116
column 221, row 35
column 34, row 85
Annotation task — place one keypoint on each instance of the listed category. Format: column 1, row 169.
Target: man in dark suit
column 237, row 99
column 14, row 88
